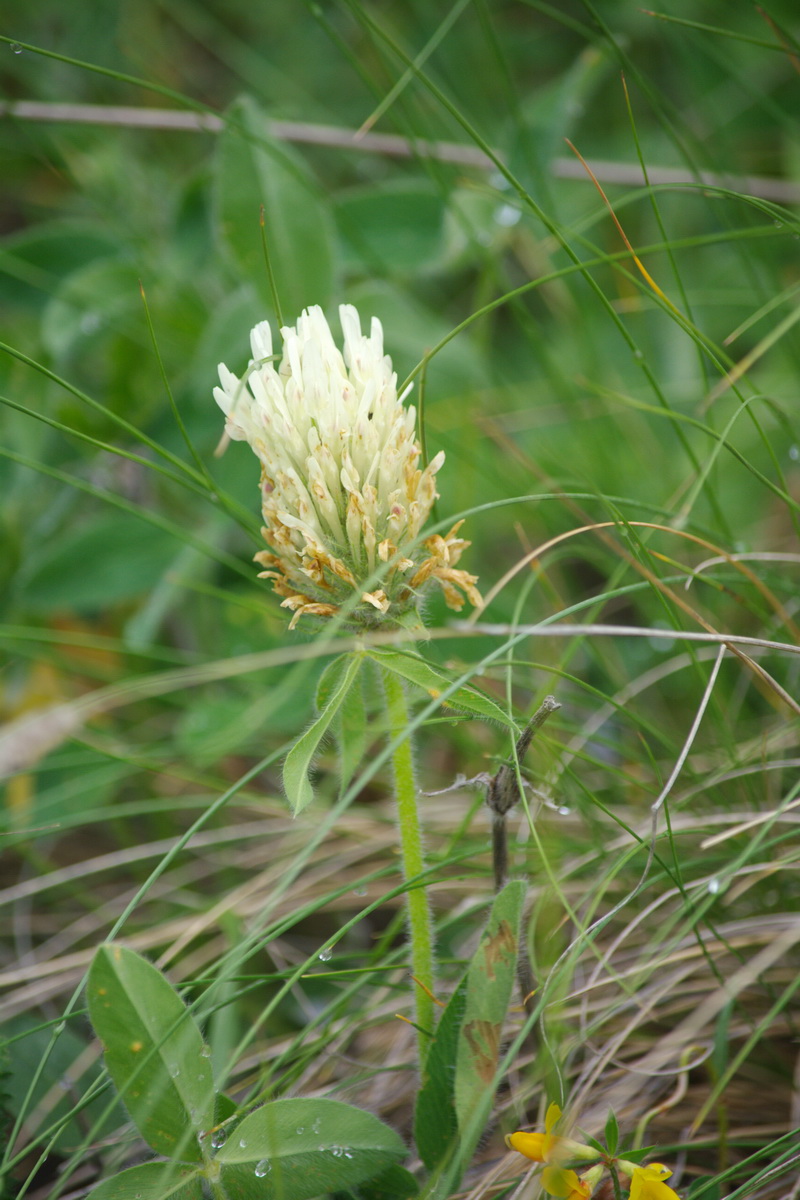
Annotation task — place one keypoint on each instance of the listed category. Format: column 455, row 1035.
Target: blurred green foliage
column 125, row 544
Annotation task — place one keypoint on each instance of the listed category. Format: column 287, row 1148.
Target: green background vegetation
column 575, row 394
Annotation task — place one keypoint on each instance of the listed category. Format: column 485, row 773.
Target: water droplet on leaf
column 263, row 1168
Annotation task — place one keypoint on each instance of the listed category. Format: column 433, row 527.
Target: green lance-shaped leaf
column 490, row 982
column 295, row 1149
column 151, row 1181
column 350, row 727
column 612, row 1133
column 435, row 1124
column 154, row 1051
column 298, row 761
column 253, row 169
column 417, row 671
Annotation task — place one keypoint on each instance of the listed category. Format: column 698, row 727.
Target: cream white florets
column 342, row 496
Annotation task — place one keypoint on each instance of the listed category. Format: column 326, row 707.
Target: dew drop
column 713, row 886
column 794, row 453
column 325, row 955
column 218, row 1138
column 90, row 322
column 564, row 810
column 174, row 1070
column 300, row 1129
column 349, row 1154
column 337, row 1151
column 263, row 1167
column 16, row 48
column 362, row 891
column 205, row 1052
column 638, row 355
column 242, row 1143
column 315, row 1128
column 507, row 215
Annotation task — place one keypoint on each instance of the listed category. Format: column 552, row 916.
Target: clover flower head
column 549, row 1147
column 647, row 1183
column 342, row 496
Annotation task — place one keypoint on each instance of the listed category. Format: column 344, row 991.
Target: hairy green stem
column 420, row 926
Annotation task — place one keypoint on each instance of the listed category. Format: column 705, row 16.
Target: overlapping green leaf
column 295, row 1149
column 253, row 169
column 154, row 1051
column 151, row 1181
column 435, row 1124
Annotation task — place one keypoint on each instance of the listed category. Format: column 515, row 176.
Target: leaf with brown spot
column 490, row 982
column 498, row 948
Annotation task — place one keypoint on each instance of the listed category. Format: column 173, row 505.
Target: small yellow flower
column 548, row 1147
column 565, row 1184
column 647, row 1183
column 342, row 495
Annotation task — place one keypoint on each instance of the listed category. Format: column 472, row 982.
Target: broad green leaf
column 298, row 1148
column 392, row 228
column 151, row 1181
column 396, row 1183
column 298, row 761
column 65, row 1074
column 490, row 982
column 417, row 671
column 33, row 261
column 252, row 169
column 154, row 1051
column 110, row 560
column 101, row 295
column 435, row 1124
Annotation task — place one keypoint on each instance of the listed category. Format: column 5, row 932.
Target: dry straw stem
column 731, row 643
column 780, row 191
column 646, row 967
column 26, row 739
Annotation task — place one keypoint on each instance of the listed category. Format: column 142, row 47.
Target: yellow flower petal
column 565, row 1184
column 532, row 1145
column 647, row 1183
